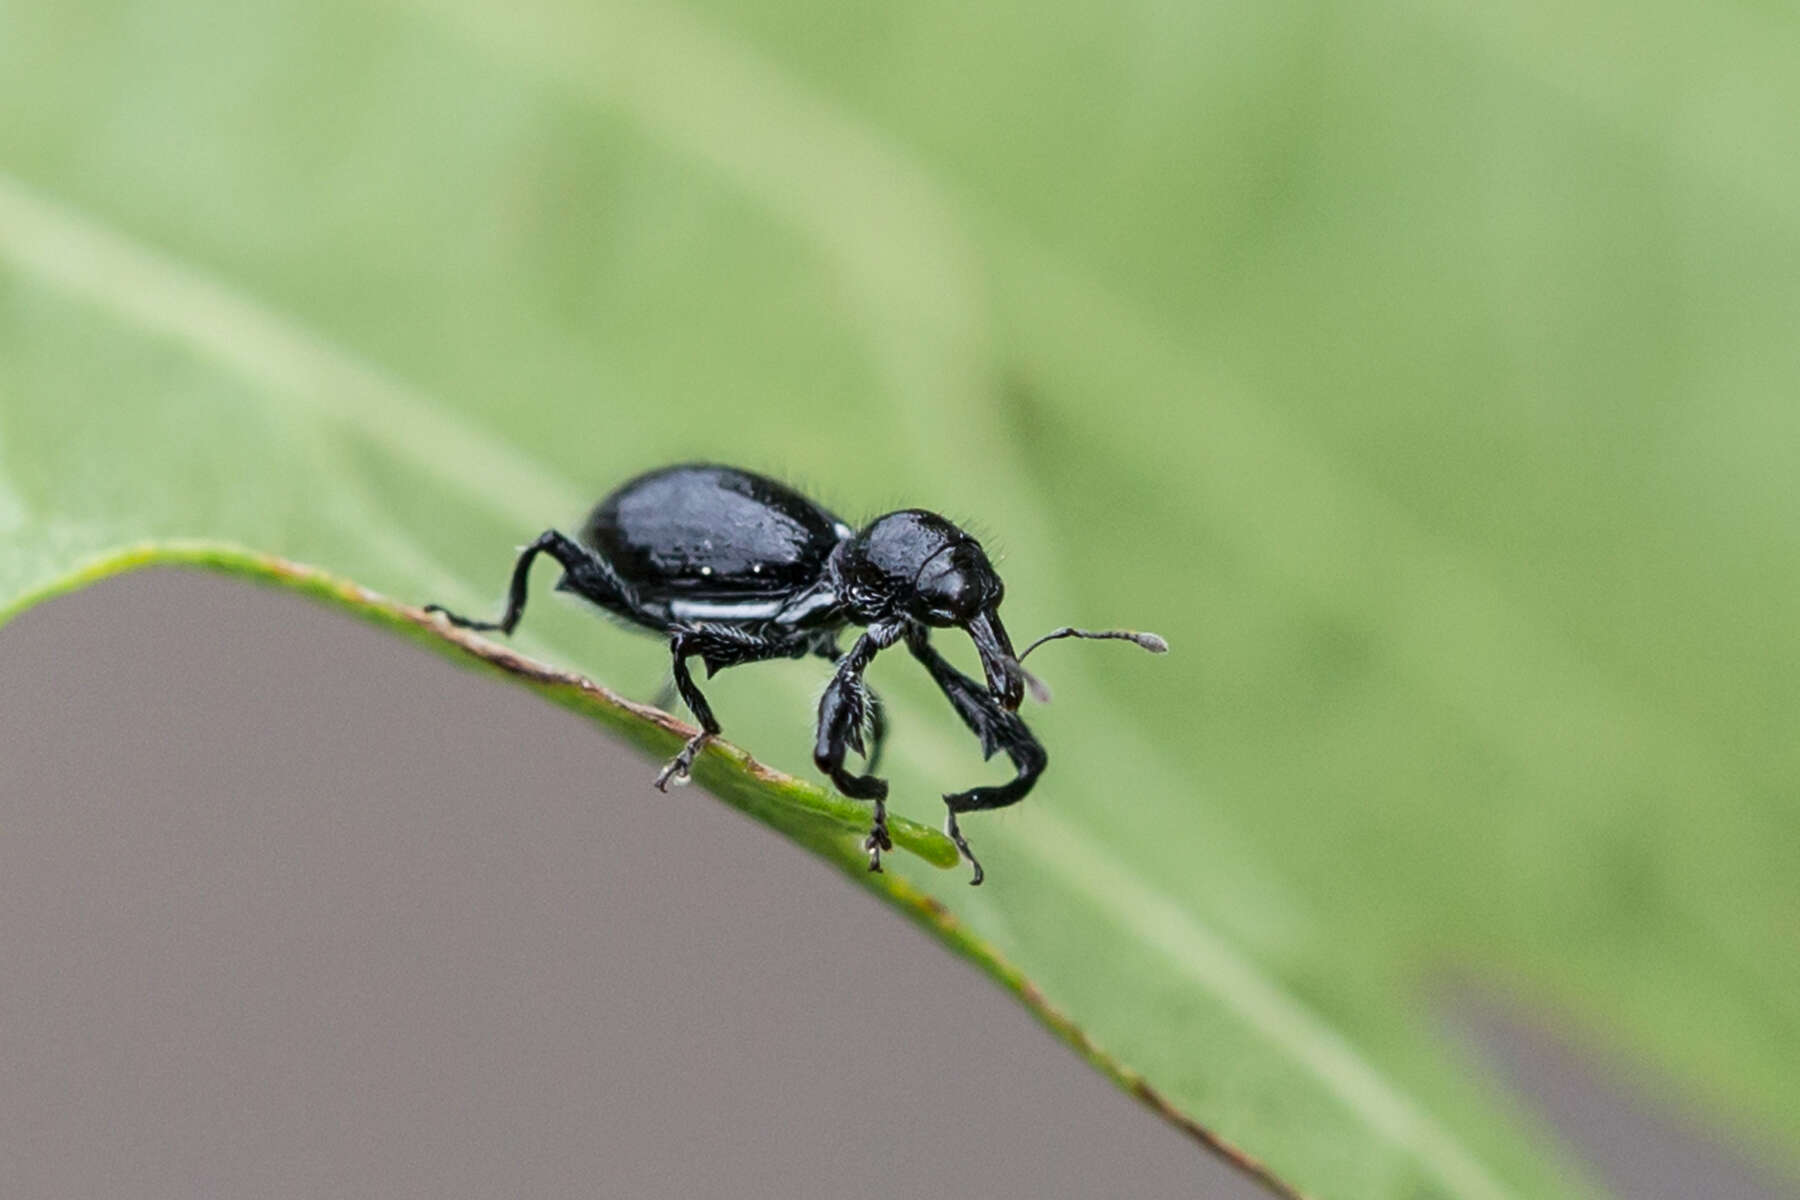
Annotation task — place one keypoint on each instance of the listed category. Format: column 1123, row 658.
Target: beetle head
column 958, row 586
column 915, row 565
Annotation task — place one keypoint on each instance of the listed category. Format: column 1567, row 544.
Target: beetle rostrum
column 733, row 567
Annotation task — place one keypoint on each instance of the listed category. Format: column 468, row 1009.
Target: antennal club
column 1040, row 691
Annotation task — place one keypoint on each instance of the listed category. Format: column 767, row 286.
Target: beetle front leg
column 878, row 728
column 843, row 711
column 1028, row 759
column 996, row 727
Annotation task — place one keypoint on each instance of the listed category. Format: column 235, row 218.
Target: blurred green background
column 1425, row 372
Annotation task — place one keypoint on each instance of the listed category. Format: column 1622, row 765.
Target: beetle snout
column 1005, row 679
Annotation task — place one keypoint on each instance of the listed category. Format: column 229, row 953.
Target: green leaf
column 1423, row 374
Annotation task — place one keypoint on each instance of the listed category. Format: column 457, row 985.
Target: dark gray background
column 291, row 908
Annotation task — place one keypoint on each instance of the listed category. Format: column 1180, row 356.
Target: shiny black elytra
column 736, row 568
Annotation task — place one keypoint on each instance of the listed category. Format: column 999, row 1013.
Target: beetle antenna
column 1149, row 641
column 1040, row 691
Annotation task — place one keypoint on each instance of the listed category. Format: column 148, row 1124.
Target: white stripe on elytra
column 733, row 610
column 823, row 598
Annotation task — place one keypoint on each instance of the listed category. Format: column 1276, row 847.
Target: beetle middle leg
column 718, row 646
column 996, row 727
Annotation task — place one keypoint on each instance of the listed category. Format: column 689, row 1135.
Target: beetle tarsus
column 461, row 622
column 676, row 769
column 878, row 839
column 962, row 847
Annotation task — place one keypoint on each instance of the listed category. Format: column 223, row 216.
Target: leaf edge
column 724, row 770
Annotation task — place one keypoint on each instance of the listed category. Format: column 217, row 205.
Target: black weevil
column 735, row 567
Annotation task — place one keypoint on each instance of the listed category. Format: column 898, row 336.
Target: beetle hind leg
column 595, row 576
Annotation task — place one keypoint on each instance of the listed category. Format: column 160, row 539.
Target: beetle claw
column 676, row 769
column 962, row 846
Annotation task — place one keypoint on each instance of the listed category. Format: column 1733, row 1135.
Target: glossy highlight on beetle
column 734, row 567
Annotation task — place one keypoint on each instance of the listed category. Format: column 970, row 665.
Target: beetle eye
column 950, row 598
